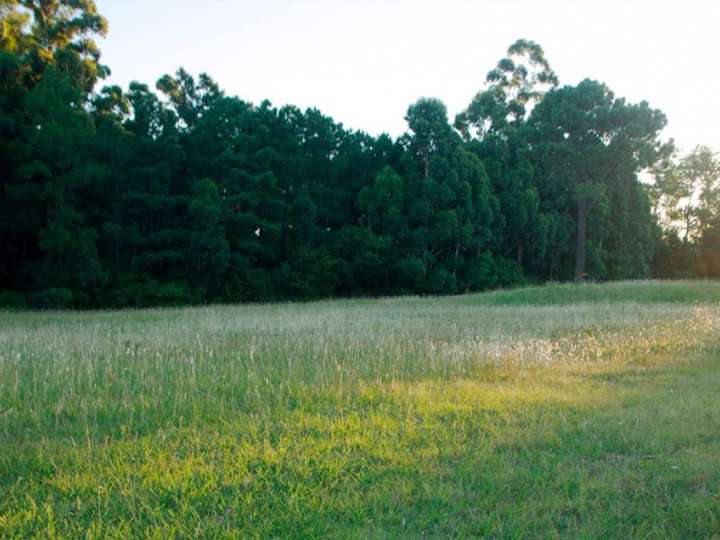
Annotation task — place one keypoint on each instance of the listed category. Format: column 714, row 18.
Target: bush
column 139, row 291
column 440, row 281
column 12, row 300
column 410, row 274
column 482, row 273
column 509, row 273
column 308, row 274
column 52, row 299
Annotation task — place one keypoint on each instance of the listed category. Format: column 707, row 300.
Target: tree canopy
column 180, row 193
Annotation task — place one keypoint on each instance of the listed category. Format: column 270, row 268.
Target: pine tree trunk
column 455, row 262
column 581, row 241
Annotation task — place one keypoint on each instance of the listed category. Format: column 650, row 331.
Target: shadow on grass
column 616, row 451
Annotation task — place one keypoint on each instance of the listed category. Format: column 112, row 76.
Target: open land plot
column 564, row 410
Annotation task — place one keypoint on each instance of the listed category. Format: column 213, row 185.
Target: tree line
column 180, row 193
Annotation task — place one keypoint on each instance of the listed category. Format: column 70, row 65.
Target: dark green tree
column 588, row 144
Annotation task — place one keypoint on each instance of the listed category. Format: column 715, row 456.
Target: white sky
column 364, row 62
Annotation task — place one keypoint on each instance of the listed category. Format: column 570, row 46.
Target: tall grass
column 98, row 375
column 238, row 419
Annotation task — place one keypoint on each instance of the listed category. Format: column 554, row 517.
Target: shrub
column 52, row 299
column 12, row 300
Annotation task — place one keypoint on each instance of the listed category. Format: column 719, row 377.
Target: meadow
column 567, row 410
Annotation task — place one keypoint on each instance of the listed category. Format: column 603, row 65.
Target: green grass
column 560, row 411
column 683, row 292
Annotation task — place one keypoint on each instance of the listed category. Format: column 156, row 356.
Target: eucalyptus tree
column 686, row 192
column 699, row 175
column 62, row 34
column 512, row 89
column 493, row 126
column 50, row 64
column 449, row 204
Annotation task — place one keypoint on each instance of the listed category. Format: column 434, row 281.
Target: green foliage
column 137, row 290
column 12, row 300
column 383, row 203
column 686, row 199
column 52, row 299
column 514, row 87
column 110, row 193
column 591, row 146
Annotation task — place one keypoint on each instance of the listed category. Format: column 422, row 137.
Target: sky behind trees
column 363, row 62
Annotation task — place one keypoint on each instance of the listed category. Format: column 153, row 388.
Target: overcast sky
column 364, row 62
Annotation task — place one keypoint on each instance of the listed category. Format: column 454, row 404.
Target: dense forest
column 177, row 194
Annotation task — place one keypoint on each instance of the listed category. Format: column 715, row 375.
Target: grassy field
column 576, row 411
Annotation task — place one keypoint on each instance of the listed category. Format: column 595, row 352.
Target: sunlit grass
column 381, row 418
